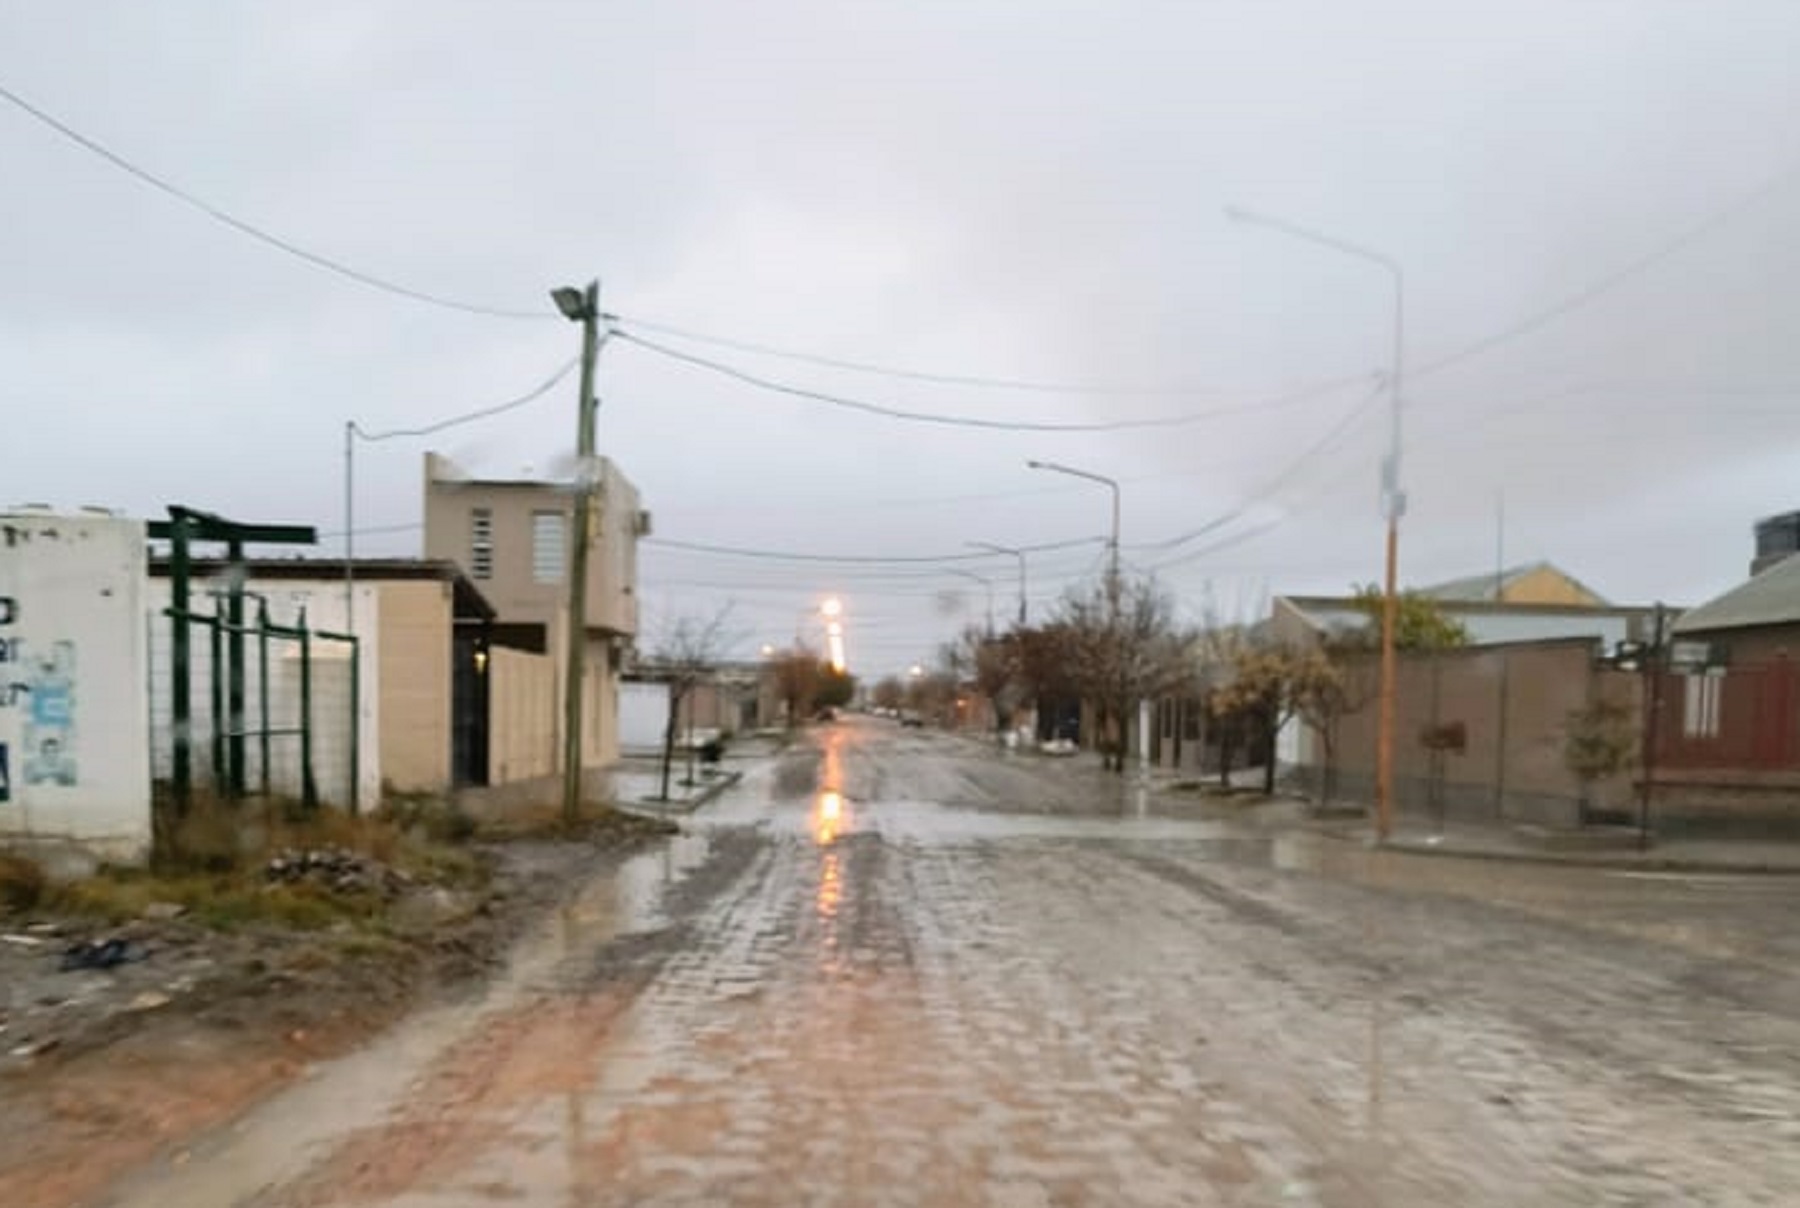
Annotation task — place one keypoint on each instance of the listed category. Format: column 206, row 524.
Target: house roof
column 1770, row 598
column 469, row 601
column 1488, row 623
column 1489, row 586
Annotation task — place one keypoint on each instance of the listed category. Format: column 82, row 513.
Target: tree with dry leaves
column 1119, row 652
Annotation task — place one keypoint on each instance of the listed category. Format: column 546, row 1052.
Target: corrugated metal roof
column 1771, row 598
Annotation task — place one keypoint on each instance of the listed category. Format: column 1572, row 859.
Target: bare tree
column 992, row 665
column 796, row 673
column 888, row 693
column 1120, row 653
column 1334, row 689
column 687, row 652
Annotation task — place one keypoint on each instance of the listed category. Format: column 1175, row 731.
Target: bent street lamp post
column 1393, row 498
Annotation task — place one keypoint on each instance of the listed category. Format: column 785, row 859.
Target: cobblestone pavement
column 895, row 969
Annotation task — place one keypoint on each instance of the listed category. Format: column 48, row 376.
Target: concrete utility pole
column 1393, row 499
column 580, row 306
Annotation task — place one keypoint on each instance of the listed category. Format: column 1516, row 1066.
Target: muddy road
column 892, row 967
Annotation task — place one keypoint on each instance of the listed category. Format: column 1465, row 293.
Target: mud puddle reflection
column 279, row 1141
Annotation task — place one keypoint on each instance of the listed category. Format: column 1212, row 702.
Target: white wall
column 643, row 716
column 325, row 607
column 74, row 733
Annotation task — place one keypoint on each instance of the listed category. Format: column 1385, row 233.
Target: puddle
column 278, row 1141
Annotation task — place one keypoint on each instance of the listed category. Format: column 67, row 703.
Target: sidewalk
column 635, row 782
column 1612, row 848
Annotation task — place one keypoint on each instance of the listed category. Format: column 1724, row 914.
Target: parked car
column 910, row 717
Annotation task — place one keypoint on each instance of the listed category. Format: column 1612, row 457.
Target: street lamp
column 1017, row 553
column 1393, row 498
column 1112, row 591
column 1112, row 574
column 987, row 583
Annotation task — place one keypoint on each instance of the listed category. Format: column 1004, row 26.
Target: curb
column 1630, row 863
column 686, row 805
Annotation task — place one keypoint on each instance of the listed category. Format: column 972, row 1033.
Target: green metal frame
column 184, row 526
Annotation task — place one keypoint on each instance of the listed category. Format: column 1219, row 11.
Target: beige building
column 511, row 537
column 420, row 686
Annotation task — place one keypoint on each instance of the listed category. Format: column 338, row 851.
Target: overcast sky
column 1015, row 190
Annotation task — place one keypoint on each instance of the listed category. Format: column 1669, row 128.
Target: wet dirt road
column 894, row 968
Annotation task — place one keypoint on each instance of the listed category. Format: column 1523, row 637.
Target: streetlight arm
column 1252, row 218
column 1113, row 572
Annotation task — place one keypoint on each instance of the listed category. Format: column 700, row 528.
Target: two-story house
column 512, row 539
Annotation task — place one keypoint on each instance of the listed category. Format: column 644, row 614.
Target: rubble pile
column 337, row 869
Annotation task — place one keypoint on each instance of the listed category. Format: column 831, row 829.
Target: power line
column 913, row 375
column 316, row 259
column 1676, row 243
column 850, row 559
column 969, row 421
column 468, row 417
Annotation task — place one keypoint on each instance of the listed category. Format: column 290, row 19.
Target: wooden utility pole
column 581, row 306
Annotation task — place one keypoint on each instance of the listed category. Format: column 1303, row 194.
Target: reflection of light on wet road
column 831, row 886
column 828, row 817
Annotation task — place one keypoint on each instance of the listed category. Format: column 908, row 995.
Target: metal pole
column 262, row 688
column 1653, row 664
column 1396, row 507
column 1394, row 499
column 216, row 697
column 355, row 725
column 309, row 789
column 234, row 651
column 181, row 701
column 350, row 525
column 575, row 631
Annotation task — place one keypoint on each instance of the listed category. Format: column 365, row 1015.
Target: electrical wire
column 469, row 417
column 1305, row 394
column 316, row 259
column 1678, row 242
column 911, row 375
column 850, row 559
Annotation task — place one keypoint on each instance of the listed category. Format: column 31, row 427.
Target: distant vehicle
column 910, row 717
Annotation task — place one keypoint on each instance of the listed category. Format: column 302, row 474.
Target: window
column 1700, row 706
column 481, row 543
column 547, row 552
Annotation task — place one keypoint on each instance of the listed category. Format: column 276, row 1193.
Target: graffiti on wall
column 37, row 685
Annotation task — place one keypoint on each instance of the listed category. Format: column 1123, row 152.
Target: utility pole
column 582, row 306
column 1112, row 583
column 1393, row 498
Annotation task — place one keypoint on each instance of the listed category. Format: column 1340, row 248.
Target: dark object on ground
column 102, row 954
column 711, row 751
column 910, row 718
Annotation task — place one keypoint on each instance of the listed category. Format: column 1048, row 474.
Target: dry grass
column 22, row 883
column 595, row 820
column 213, row 863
